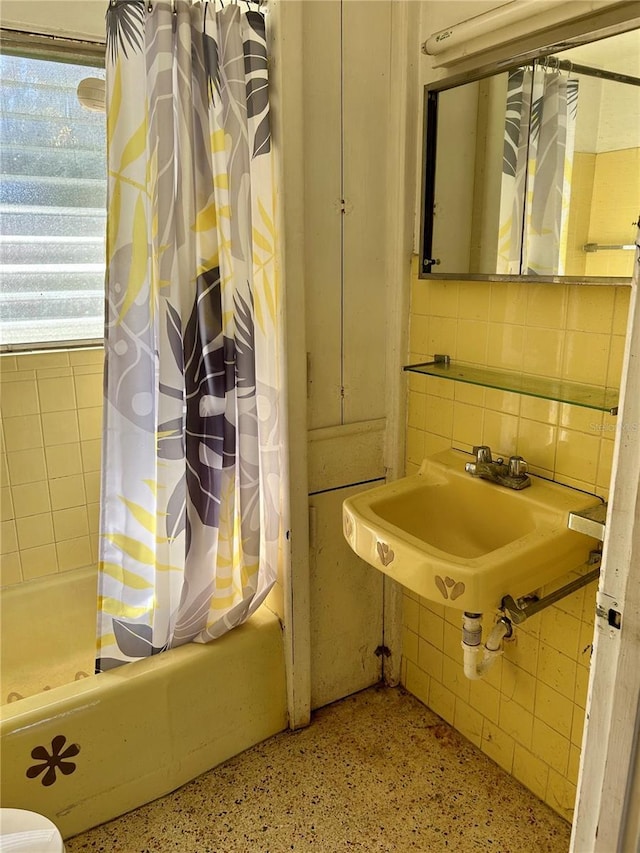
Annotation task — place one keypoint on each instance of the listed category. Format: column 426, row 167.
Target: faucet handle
column 517, row 467
column 482, row 452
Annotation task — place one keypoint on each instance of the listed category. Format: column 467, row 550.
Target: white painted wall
column 488, row 172
column 82, row 19
column 615, row 107
column 608, row 115
column 287, row 95
column 455, row 177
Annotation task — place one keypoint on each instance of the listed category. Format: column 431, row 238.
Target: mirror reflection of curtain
column 536, row 172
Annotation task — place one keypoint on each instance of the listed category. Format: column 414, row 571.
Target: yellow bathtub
column 82, row 748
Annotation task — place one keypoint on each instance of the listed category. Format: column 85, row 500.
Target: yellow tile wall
column 528, row 713
column 50, row 431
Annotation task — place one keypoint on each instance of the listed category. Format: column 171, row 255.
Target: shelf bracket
column 520, row 614
column 438, row 358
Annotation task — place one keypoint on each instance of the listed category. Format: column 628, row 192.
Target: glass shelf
column 561, row 390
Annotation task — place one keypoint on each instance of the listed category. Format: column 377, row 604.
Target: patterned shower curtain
column 191, row 491
column 539, row 142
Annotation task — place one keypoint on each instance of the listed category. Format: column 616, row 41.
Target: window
column 52, row 204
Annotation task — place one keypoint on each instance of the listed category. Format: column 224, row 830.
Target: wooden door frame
column 402, row 132
column 607, row 817
column 285, row 33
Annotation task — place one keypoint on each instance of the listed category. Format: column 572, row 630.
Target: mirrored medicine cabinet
column 532, row 172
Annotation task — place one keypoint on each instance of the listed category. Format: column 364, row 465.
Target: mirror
column 534, row 171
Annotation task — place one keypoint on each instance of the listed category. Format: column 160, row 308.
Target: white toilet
column 22, row 831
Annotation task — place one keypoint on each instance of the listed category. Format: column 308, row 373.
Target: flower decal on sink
column 348, row 526
column 449, row 588
column 385, row 553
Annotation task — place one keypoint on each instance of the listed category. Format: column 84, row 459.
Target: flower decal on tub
column 51, row 762
column 385, row 553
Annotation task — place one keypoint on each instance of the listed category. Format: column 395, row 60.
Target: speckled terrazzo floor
column 375, row 772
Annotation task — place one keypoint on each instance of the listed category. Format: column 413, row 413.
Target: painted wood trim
column 608, row 780
column 402, row 131
column 555, row 23
column 347, row 430
column 346, row 606
column 287, row 127
column 83, row 21
column 366, row 100
column 321, row 73
column 345, row 455
column 392, row 630
column 631, row 838
column 401, row 189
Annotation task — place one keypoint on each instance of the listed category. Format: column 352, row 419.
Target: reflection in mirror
column 536, row 170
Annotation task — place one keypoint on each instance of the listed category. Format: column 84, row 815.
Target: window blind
column 52, row 205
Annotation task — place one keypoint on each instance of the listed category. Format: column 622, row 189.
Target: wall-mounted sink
column 465, row 542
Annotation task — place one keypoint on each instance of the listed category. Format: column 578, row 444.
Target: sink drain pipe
column 474, row 666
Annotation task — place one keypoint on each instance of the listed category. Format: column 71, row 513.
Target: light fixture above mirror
column 534, row 172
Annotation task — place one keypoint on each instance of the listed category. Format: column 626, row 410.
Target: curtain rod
column 599, row 247
column 568, row 65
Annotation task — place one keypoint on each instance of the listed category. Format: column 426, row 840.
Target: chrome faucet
column 513, row 474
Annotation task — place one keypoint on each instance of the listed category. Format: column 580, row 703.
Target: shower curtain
column 539, row 142
column 191, row 511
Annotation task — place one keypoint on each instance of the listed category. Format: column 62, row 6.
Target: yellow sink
column 466, row 542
